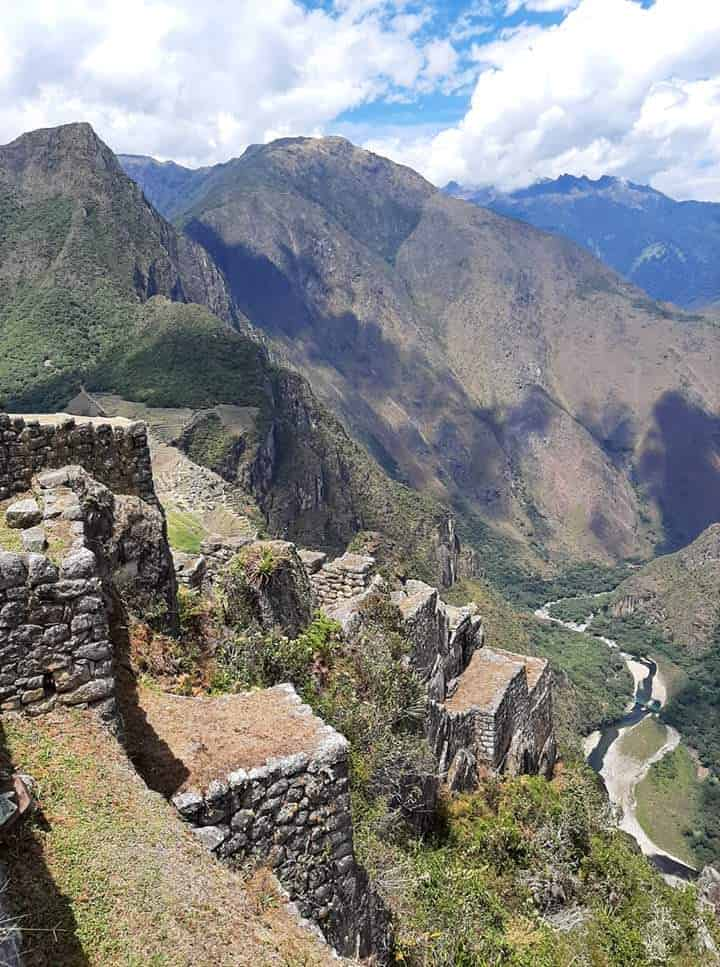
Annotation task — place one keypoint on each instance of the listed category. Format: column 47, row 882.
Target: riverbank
column 624, row 762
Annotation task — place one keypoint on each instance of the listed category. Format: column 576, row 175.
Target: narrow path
column 621, row 773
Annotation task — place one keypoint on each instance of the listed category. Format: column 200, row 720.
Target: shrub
column 257, row 659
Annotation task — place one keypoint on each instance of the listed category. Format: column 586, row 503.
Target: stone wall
column 342, row 579
column 54, row 638
column 498, row 719
column 443, row 638
column 115, row 453
column 91, row 550
column 293, row 813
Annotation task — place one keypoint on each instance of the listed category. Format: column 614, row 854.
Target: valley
column 367, row 456
column 624, row 752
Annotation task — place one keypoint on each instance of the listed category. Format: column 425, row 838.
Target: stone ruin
column 280, row 797
column 114, row 452
column 339, row 580
column 79, row 545
column 269, row 781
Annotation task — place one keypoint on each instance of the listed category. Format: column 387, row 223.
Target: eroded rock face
column 140, row 558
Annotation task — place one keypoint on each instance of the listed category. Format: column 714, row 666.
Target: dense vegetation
column 592, row 682
column 481, row 879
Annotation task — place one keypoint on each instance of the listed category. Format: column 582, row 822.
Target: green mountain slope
column 96, row 288
column 677, row 594
column 483, row 361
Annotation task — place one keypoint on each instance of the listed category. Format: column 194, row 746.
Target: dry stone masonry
column 489, row 710
column 54, row 638
column 342, row 579
column 499, row 718
column 115, row 452
column 286, row 803
column 265, row 780
column 443, row 638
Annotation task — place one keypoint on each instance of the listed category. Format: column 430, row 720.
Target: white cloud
column 614, row 88
column 199, row 81
column 539, row 6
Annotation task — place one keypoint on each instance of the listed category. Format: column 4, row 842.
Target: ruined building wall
column 342, row 579
column 293, row 813
column 114, row 453
column 54, row 639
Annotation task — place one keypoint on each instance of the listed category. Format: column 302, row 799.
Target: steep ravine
column 621, row 773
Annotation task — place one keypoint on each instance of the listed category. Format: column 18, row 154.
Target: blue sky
column 479, row 91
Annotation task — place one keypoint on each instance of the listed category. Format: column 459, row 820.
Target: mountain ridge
column 448, row 338
column 97, row 289
column 670, row 249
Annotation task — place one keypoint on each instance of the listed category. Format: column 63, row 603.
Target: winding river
column 621, row 773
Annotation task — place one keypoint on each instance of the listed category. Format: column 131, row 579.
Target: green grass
column 669, row 800
column 644, row 740
column 9, row 537
column 185, row 531
column 577, row 610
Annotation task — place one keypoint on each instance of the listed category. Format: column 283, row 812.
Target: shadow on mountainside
column 679, row 467
column 37, row 923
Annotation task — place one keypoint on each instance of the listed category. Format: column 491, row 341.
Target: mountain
column 671, row 249
column 495, row 366
column 97, row 289
column 163, row 182
column 80, row 251
column 677, row 594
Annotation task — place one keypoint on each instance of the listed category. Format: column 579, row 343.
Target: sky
column 500, row 92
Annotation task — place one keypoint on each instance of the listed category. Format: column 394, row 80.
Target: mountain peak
column 65, row 153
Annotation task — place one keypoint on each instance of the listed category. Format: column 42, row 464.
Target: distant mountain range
column 671, row 249
column 505, row 370
column 489, row 366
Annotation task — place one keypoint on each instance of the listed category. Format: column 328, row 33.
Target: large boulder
column 267, row 584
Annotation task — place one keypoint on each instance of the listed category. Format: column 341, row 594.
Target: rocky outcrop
column 267, row 584
column 127, row 534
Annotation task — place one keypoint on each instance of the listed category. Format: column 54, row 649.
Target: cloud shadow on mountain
column 679, row 468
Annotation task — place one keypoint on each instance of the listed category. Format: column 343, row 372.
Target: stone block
column 13, row 571
column 23, row 513
column 92, row 691
column 34, row 540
